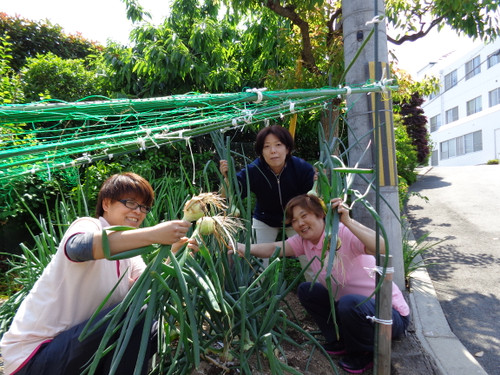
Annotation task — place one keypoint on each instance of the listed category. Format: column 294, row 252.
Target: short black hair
column 280, row 132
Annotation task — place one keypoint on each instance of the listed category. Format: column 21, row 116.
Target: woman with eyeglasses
column 43, row 337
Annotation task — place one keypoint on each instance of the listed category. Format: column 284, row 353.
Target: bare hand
column 223, row 168
column 170, row 232
column 240, row 250
column 191, row 244
column 342, row 209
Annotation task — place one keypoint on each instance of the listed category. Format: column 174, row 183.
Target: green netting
column 44, row 136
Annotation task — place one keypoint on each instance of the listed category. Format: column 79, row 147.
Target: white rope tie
column 142, row 143
column 247, row 116
column 376, row 19
column 110, row 156
column 258, row 92
column 379, row 270
column 380, row 321
column 85, row 157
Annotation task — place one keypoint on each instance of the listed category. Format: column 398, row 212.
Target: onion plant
column 210, row 306
column 25, row 268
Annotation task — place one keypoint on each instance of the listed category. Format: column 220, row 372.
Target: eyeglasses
column 133, row 205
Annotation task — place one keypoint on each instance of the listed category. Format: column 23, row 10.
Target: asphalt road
column 463, row 209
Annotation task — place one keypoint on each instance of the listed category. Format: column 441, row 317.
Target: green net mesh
column 49, row 135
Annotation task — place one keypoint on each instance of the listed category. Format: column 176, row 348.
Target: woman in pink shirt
column 352, row 280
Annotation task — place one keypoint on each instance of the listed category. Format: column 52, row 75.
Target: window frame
column 473, row 67
column 474, row 105
column 450, row 80
column 454, row 115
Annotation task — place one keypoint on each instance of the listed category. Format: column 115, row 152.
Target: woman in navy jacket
column 275, row 177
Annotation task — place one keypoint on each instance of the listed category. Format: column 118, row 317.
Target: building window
column 451, row 115
column 494, row 97
column 462, row 145
column 472, row 67
column 444, row 150
column 493, row 59
column 435, row 123
column 434, row 158
column 450, row 80
column 474, row 106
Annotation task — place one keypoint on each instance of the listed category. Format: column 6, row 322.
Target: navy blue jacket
column 274, row 191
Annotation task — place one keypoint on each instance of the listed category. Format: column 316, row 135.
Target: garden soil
column 408, row 356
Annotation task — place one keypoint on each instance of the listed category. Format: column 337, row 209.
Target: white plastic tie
column 151, row 138
column 382, row 86
column 142, row 143
column 348, row 90
column 247, row 116
column 383, row 82
column 258, row 92
column 376, row 19
column 110, row 156
column 379, row 270
column 292, row 107
column 380, row 321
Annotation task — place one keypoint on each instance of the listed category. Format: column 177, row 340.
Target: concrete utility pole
column 364, row 113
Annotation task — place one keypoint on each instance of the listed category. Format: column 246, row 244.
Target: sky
column 100, row 20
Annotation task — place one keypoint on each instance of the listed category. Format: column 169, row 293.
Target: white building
column 464, row 117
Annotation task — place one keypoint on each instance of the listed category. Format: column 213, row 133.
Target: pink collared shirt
column 352, row 271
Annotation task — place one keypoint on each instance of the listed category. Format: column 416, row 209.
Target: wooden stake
column 384, row 336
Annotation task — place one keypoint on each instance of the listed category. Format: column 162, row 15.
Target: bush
column 35, row 192
column 10, row 83
column 31, row 38
column 70, row 80
column 406, row 152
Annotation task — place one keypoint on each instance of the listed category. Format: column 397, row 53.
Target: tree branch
column 329, row 24
column 289, row 12
column 417, row 35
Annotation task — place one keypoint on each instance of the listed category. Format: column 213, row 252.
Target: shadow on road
column 429, row 182
column 484, row 343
